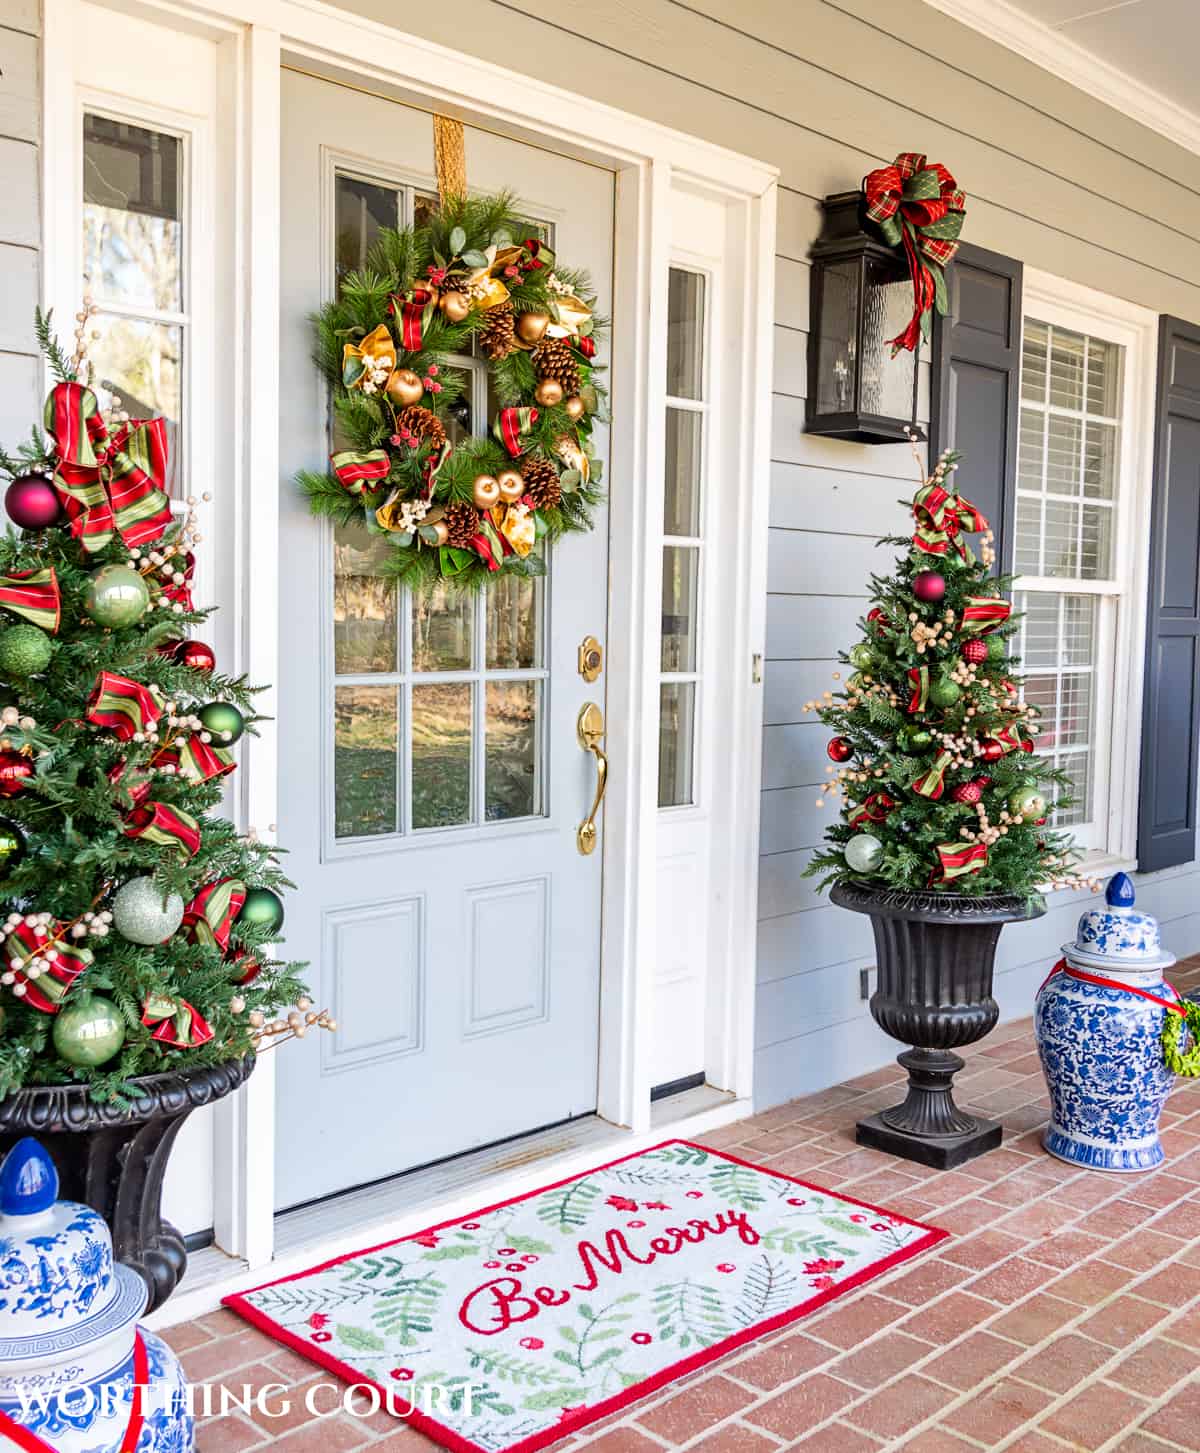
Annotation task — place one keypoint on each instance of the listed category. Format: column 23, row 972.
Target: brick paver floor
column 1063, row 1313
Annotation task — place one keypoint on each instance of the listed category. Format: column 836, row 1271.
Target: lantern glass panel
column 887, row 382
column 837, row 361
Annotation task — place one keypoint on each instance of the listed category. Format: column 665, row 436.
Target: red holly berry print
column 796, row 1201
column 821, row 1265
column 621, row 1203
column 322, row 1336
column 635, row 1225
column 656, row 1206
column 402, row 1374
column 726, row 1266
column 532, row 1344
column 507, row 1251
column 694, row 1195
column 643, row 1339
column 318, row 1320
column 492, row 1265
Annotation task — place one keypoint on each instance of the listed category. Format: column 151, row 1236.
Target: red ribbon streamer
column 1062, row 967
column 29, row 1442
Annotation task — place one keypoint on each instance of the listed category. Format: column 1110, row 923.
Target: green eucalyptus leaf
column 458, row 239
column 475, row 258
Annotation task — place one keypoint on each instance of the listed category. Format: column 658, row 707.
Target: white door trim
column 254, row 38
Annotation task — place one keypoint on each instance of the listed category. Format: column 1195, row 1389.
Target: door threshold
column 406, row 1204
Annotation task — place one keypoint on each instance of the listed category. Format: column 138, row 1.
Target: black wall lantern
column 861, row 296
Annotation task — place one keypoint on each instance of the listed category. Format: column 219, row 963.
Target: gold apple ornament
column 549, row 392
column 405, row 388
column 512, row 486
column 486, row 493
column 531, row 327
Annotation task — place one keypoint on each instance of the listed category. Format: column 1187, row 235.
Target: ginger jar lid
column 1116, row 935
column 59, row 1288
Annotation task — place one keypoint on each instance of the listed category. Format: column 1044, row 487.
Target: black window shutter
column 976, row 374
column 1171, row 719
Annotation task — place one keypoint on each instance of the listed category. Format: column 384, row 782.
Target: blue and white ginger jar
column 68, row 1323
column 1101, row 1048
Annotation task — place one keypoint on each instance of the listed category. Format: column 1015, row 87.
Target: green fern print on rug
column 505, row 1331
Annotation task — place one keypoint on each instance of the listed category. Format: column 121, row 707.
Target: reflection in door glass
column 365, row 760
column 361, row 209
column 514, row 623
column 364, row 606
column 442, row 630
column 676, row 728
column 137, row 367
column 441, row 755
column 512, row 770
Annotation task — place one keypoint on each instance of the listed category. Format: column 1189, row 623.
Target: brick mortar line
column 1156, row 1405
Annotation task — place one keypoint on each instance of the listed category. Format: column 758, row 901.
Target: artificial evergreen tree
column 134, row 919
column 932, row 758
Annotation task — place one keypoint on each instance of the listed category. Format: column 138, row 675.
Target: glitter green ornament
column 140, row 914
column 861, row 656
column 945, row 692
column 116, row 596
column 88, row 1031
column 24, row 650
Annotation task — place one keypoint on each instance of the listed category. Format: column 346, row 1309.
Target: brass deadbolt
column 591, row 658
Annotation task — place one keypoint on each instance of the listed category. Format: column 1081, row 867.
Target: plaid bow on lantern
column 107, row 484
column 919, row 207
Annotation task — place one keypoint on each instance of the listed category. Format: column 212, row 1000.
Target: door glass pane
column 681, row 499
column 680, row 573
column 442, row 630
column 514, row 608
column 685, row 335
column 137, row 366
column 364, row 606
column 676, row 734
column 511, row 764
column 361, row 209
column 132, row 231
column 441, row 755
column 365, row 760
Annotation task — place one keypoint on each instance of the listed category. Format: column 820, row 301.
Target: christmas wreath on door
column 453, row 506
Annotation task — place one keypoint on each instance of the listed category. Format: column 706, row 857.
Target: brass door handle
column 590, row 731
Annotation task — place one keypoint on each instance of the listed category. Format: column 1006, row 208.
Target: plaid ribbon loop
column 179, row 1024
column 107, row 484
column 983, row 613
column 918, row 680
column 360, row 470
column 932, row 784
column 124, row 706
column 512, row 428
column 208, row 918
column 46, row 984
column 34, row 596
column 166, row 827
column 873, row 809
column 919, row 207
column 942, row 516
column 955, row 861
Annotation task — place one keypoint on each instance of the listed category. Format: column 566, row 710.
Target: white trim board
column 1057, row 53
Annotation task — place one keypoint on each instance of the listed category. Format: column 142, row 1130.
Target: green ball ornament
column 141, row 916
column 1027, row 803
column 861, row 656
column 944, row 692
column 913, row 740
column 224, row 723
column 262, row 909
column 997, row 648
column 88, row 1031
column 116, row 596
column 24, row 650
column 863, row 853
column 12, row 846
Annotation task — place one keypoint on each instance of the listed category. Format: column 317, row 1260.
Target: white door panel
column 431, row 780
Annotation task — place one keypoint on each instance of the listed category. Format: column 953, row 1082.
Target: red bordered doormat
column 508, row 1329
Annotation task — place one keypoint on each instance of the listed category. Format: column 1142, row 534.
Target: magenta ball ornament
column 31, row 503
column 929, row 586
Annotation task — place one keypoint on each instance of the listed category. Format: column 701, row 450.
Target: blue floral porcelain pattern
column 1101, row 1048
column 61, row 1276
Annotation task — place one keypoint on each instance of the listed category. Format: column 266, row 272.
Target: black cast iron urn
column 936, row 953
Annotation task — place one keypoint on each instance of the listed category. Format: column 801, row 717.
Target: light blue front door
column 431, row 781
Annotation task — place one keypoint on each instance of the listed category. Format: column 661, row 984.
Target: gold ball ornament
column 486, row 491
column 442, row 532
column 512, row 486
column 575, row 408
column 405, row 388
column 531, row 327
column 549, row 392
column 455, row 307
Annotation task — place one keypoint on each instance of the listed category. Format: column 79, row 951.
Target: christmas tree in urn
column 134, row 921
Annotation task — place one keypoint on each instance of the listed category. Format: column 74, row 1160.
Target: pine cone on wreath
column 462, row 524
column 497, row 337
column 423, row 423
column 454, row 282
column 541, row 481
column 554, row 358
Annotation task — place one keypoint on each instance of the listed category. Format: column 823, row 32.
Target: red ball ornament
column 975, row 652
column 196, row 654
column 15, row 771
column 840, row 750
column 876, row 618
column 247, row 967
column 992, row 751
column 929, row 586
column 32, row 503
column 966, row 792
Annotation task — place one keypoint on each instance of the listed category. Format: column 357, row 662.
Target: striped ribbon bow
column 512, row 428
column 918, row 680
column 208, row 918
column 180, row 1024
column 196, row 761
column 45, row 986
column 360, row 470
column 942, row 516
column 167, row 827
column 956, row 861
column 138, row 786
column 413, row 309
column 919, row 207
column 1005, row 740
column 984, row 613
column 932, row 783
column 107, row 484
column 34, row 595
column 872, row 809
column 124, row 706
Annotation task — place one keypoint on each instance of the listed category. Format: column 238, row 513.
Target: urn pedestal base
column 928, row 1126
